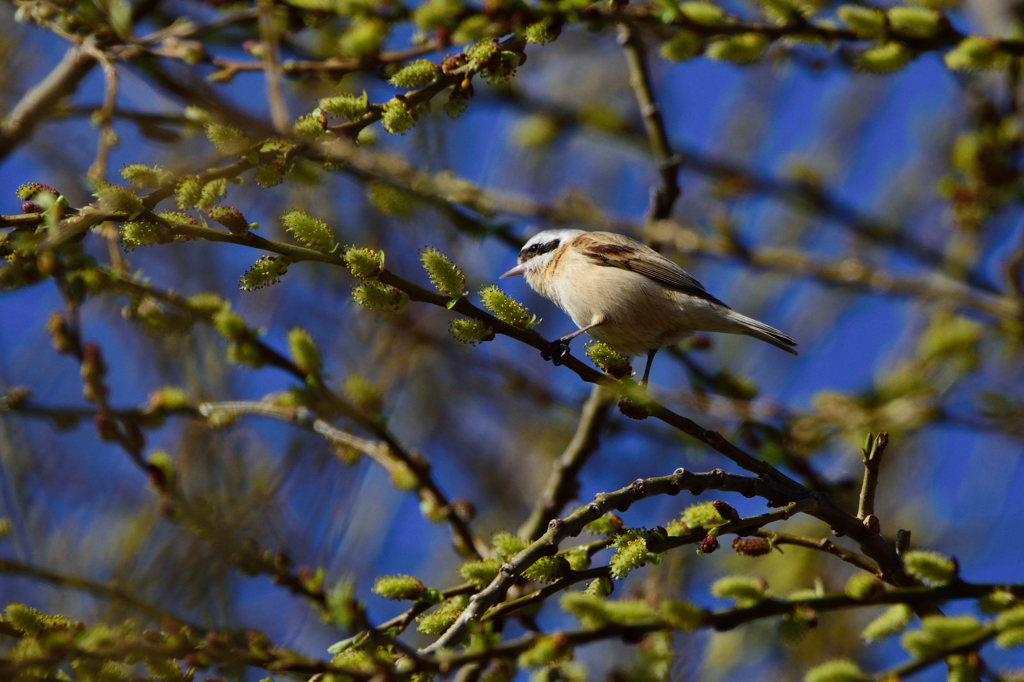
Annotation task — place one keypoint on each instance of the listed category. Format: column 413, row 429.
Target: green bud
column 404, row 478
column 680, row 615
column 246, row 353
column 608, row 360
column 702, row 515
column 456, row 103
column 915, row 21
column 415, row 74
column 930, row 567
column 544, row 651
column 864, row 587
column 891, row 622
column 506, row 308
column 207, row 303
column 600, row 587
column 950, row 628
column 396, row 118
column 231, row 326
column 884, row 58
column 268, row 176
column 434, row 13
column 188, row 191
column 391, row 200
column 308, row 127
column 444, row 274
column 998, row 601
column 364, row 263
column 480, row 573
column 363, row 394
column 384, row 298
column 168, row 399
column 363, row 37
column 703, row 12
column 1013, row 618
column 589, row 609
column 136, row 233
column 310, row 231
column 537, row 130
column 866, row 22
column 976, row 53
column 920, row 643
column 212, row 192
column 629, row 555
column 539, row 34
column 745, row 48
column 470, row 331
column 264, row 272
column 682, row 46
column 24, row 619
column 837, row 670
column 506, row 545
column 141, row 175
column 116, row 199
column 547, row 569
column 304, row 351
column 437, row 621
column 1010, row 638
column 745, row 590
column 227, row 139
column 398, row 587
column 473, row 27
column 345, row 106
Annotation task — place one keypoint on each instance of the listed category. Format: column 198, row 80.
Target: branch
column 111, row 592
column 562, row 485
column 872, row 462
column 560, row 529
column 663, row 197
column 41, row 101
column 380, row 452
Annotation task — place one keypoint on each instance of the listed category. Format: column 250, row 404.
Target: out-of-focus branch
column 664, row 196
column 562, row 484
column 39, row 103
column 381, row 452
column 111, row 592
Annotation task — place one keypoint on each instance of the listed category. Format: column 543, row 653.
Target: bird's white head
column 538, row 252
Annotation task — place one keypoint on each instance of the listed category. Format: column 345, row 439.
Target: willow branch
column 40, row 102
column 379, row 451
column 106, row 591
column 562, row 484
column 872, row 463
column 664, row 196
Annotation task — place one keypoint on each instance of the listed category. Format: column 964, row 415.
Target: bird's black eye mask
column 537, row 250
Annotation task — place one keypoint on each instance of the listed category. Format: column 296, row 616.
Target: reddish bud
column 725, row 510
column 632, row 410
column 156, row 476
column 230, row 217
column 31, row 207
column 752, row 547
column 106, row 426
column 29, row 190
column 708, row 545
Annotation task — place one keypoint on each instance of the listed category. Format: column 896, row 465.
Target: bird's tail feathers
column 760, row 330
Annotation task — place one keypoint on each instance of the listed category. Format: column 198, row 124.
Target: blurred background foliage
column 847, row 175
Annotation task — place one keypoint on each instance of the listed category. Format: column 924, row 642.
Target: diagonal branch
column 562, row 484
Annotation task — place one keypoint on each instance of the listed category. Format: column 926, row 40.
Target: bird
column 626, row 295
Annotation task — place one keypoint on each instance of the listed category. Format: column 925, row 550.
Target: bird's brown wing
column 617, row 251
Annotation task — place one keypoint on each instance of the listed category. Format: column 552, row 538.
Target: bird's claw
column 556, row 352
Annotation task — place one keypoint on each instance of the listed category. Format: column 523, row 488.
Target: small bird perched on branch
column 626, row 295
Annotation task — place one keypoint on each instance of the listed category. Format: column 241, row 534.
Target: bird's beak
column 517, row 270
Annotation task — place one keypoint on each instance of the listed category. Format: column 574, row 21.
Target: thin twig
column 872, row 463
column 562, row 484
column 664, row 196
